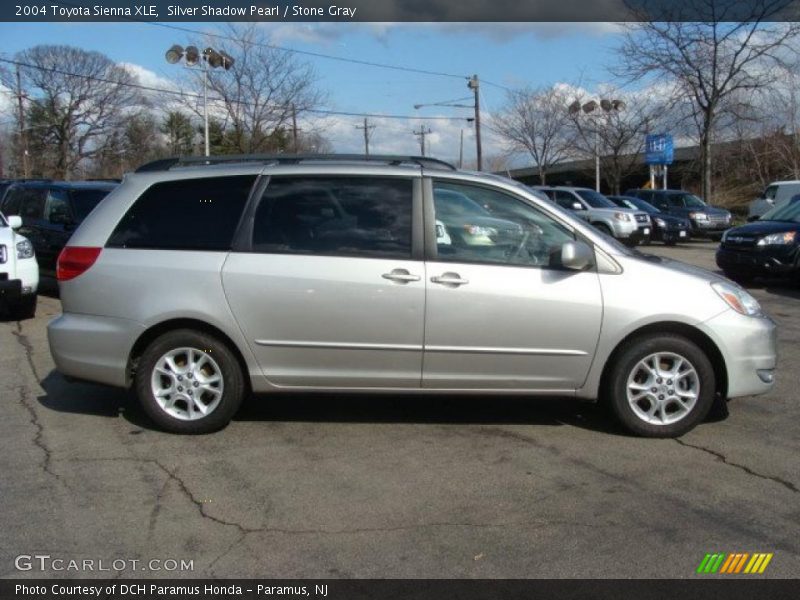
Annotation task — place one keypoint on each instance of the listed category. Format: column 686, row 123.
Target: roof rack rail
column 165, row 164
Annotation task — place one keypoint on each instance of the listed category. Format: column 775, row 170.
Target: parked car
column 665, row 228
column 775, row 195
column 200, row 280
column 767, row 247
column 50, row 212
column 627, row 225
column 467, row 223
column 706, row 220
column 19, row 273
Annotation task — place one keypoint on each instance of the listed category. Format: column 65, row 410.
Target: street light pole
column 210, row 58
column 588, row 108
column 205, row 106
column 596, row 160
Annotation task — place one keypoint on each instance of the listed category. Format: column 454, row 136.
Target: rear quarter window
column 188, row 214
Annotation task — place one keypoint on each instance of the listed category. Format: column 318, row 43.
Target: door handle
column 453, row 279
column 400, row 276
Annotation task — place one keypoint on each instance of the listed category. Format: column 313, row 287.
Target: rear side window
column 28, row 203
column 188, row 214
column 83, row 201
column 335, row 216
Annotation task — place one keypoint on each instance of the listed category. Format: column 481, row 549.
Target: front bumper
column 10, row 291
column 709, row 228
column 758, row 262
column 749, row 349
column 624, row 230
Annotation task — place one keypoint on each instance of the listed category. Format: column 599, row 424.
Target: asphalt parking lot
column 365, row 486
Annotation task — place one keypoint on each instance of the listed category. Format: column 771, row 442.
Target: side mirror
column 576, row 255
column 577, row 206
column 15, row 221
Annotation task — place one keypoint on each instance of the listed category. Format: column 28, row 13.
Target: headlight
column 738, row 299
column 660, row 222
column 698, row 216
column 777, row 239
column 622, row 216
column 24, row 249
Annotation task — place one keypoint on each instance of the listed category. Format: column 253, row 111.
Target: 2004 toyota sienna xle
column 198, row 281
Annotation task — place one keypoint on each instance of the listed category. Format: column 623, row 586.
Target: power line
column 318, row 111
column 286, row 49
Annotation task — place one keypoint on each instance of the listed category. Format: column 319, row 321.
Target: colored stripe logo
column 735, row 563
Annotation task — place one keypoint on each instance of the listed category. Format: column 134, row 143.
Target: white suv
column 19, row 273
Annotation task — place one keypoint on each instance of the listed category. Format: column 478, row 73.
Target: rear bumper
column 93, row 348
column 757, row 263
column 749, row 348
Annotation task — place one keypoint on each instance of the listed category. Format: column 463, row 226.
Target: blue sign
column 658, row 149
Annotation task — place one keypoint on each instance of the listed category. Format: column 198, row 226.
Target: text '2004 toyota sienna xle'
column 198, row 281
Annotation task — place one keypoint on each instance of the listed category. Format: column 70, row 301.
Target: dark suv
column 50, row 212
column 707, row 221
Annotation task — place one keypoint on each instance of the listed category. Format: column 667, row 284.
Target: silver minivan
column 200, row 281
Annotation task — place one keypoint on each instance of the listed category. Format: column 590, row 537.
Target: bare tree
column 536, row 121
column 256, row 99
column 77, row 99
column 708, row 55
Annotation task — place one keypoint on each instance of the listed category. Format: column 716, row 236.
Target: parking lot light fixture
column 590, row 109
column 209, row 58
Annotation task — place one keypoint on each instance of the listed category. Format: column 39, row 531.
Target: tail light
column 75, row 260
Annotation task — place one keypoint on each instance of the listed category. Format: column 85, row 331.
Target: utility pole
column 294, row 127
column 366, row 127
column 23, row 139
column 461, row 151
column 474, row 85
column 423, row 131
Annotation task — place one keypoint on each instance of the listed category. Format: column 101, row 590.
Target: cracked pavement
column 369, row 486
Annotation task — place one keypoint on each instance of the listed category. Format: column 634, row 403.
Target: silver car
column 200, row 281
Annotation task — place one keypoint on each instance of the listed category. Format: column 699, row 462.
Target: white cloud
column 331, row 34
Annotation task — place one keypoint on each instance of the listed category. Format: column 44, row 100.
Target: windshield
column 618, row 201
column 643, row 205
column 787, row 212
column 595, row 199
column 83, row 201
column 689, row 201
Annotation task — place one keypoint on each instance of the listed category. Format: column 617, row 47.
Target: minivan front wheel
column 661, row 385
column 189, row 382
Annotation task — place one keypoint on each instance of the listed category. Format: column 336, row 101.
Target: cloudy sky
column 513, row 55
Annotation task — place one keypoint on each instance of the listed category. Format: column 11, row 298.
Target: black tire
column 223, row 360
column 25, row 308
column 671, row 242
column 603, row 228
column 616, row 384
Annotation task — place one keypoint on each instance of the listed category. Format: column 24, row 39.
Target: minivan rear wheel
column 661, row 385
column 189, row 382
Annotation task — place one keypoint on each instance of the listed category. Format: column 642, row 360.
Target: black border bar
column 277, row 11
column 730, row 588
